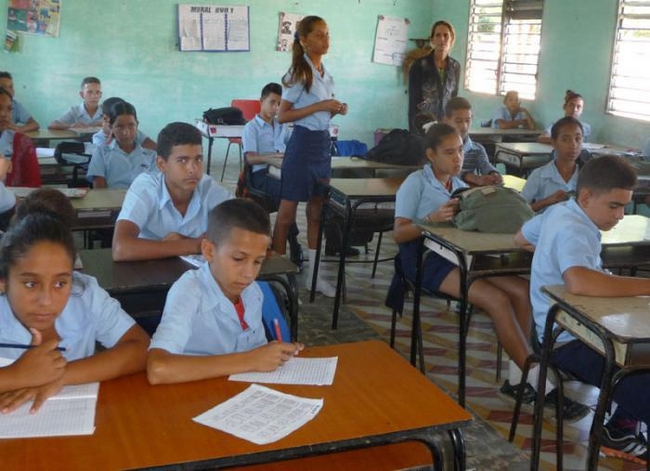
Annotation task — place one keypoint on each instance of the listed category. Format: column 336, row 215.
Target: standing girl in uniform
column 60, row 313
column 309, row 102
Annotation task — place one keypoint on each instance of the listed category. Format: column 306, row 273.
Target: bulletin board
column 213, row 28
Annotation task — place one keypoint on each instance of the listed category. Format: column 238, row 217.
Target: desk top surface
column 360, row 187
column 100, row 199
column 625, row 318
column 375, row 393
column 360, row 163
column 525, row 148
column 52, row 134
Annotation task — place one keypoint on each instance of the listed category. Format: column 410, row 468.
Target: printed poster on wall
column 286, row 30
column 34, row 16
column 213, row 28
column 390, row 40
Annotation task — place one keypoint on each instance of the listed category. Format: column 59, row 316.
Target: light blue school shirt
column 119, row 168
column 198, row 319
column 264, row 138
column 546, row 180
column 322, row 88
column 89, row 316
column 19, row 114
column 504, row 113
column 7, row 143
column 149, row 206
column 475, row 158
column 563, row 237
column 99, row 138
column 78, row 114
column 7, row 200
column 586, row 129
column 422, row 193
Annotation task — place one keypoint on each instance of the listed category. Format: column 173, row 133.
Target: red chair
column 249, row 109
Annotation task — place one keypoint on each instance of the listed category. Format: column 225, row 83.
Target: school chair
column 272, row 310
column 249, row 109
column 72, row 154
column 398, row 290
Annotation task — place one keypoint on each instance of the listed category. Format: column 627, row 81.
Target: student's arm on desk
column 521, row 241
column 59, row 125
column 29, row 126
column 127, row 356
column 127, row 246
column 585, row 281
column 99, row 182
column 149, row 144
column 164, row 367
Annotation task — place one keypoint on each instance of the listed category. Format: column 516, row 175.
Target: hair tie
column 296, row 36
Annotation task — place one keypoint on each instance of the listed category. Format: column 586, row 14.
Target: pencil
column 25, row 347
column 278, row 333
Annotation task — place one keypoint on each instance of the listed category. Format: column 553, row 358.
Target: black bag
column 398, row 147
column 227, row 115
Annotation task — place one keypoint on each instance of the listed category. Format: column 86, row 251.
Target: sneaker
column 572, row 411
column 508, row 393
column 624, row 444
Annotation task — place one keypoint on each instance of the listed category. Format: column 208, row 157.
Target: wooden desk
column 212, row 131
column 523, row 156
column 368, row 166
column 616, row 327
column 142, row 286
column 377, row 398
column 345, row 196
column 98, row 209
column 42, row 137
column 480, row 255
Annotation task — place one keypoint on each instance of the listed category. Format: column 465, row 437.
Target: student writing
column 212, row 320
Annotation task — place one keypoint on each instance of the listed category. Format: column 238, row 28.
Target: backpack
column 491, row 209
column 227, row 115
column 398, row 147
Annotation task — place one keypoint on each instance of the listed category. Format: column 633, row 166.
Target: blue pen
column 25, row 347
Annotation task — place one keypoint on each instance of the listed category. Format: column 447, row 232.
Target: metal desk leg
column 348, row 219
column 210, row 142
column 416, row 328
column 324, row 214
column 458, row 443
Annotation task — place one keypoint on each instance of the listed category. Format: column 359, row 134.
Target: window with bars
column 629, row 87
column 503, row 45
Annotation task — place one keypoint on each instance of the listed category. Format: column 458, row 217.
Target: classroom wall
column 132, row 47
column 577, row 39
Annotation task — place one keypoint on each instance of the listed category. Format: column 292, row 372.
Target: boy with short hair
column 511, row 115
column 566, row 242
column 264, row 140
column 212, row 320
column 165, row 214
column 21, row 119
column 104, row 135
column 87, row 114
column 477, row 169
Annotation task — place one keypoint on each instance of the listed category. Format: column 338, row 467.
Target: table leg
column 210, row 142
column 416, row 328
column 458, row 443
column 347, row 227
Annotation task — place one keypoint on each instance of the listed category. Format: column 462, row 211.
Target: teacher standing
column 434, row 78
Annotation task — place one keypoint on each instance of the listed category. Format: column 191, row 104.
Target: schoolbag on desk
column 228, row 115
column 398, row 147
column 491, row 209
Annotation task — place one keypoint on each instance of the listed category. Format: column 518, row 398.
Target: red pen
column 278, row 333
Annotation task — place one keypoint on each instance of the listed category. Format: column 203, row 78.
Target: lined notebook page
column 307, row 371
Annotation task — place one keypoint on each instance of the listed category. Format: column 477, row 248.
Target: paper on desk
column 308, row 371
column 71, row 412
column 261, row 415
column 44, row 152
column 592, row 146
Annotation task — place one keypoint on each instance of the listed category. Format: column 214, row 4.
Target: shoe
column 572, row 410
column 624, row 444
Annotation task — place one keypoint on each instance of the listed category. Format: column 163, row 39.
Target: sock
column 322, row 285
column 310, row 269
column 514, row 376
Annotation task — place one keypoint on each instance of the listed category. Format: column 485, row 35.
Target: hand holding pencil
column 41, row 363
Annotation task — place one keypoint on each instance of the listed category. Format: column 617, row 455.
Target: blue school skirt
column 306, row 160
column 435, row 267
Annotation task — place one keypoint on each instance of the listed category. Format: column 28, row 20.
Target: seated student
column 477, row 170
column 566, row 242
column 24, row 169
column 21, row 119
column 87, row 114
column 45, row 303
column 7, row 197
column 104, row 135
column 264, row 140
column 165, row 214
column 573, row 106
column 426, row 194
column 556, row 181
column 117, row 164
column 511, row 115
column 212, row 320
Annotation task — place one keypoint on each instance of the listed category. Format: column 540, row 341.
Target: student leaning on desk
column 212, row 321
column 165, row 214
column 87, row 114
column 566, row 242
column 51, row 317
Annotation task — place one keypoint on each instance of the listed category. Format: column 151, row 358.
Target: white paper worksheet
column 261, row 415
column 307, row 371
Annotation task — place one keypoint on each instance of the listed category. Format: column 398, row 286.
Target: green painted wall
column 577, row 39
column 131, row 46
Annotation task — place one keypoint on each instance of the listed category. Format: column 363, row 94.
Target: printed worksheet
column 261, row 415
column 307, row 371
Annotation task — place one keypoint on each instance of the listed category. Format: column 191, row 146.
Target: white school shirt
column 119, row 168
column 504, row 113
column 78, row 114
column 19, row 114
column 264, row 138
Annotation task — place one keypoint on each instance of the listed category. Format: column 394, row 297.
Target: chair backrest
column 248, row 107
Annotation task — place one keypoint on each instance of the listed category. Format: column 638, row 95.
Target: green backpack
column 491, row 209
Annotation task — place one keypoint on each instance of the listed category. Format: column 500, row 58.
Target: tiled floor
column 365, row 297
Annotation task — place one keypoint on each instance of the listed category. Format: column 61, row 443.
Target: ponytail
column 300, row 70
